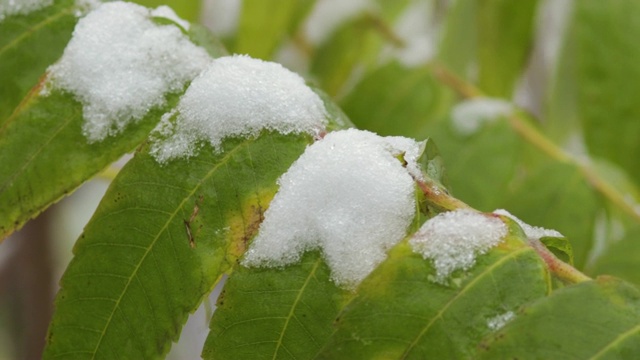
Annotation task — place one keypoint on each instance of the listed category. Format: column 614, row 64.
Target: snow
column 453, row 239
column 327, row 15
column 347, row 195
column 499, row 321
column 21, row 7
column 418, row 32
column 470, row 115
column 119, row 64
column 532, row 232
column 238, row 96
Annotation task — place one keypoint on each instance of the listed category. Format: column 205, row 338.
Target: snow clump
column 120, row 64
column 532, row 232
column 347, row 195
column 238, row 96
column 499, row 321
column 453, row 239
column 21, row 7
column 470, row 115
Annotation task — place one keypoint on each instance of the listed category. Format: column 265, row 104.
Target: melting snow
column 347, row 195
column 532, row 232
column 119, row 64
column 470, row 115
column 21, row 7
column 238, row 96
column 499, row 321
column 453, row 239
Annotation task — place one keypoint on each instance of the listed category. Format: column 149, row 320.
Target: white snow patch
column 453, row 239
column 21, row 7
column 470, row 115
column 119, row 64
column 532, row 232
column 327, row 15
column 347, row 195
column 238, row 96
column 419, row 33
column 499, row 321
column 166, row 12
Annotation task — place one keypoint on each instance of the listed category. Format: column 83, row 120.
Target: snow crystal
column 328, row 15
column 453, row 239
column 21, row 7
column 168, row 13
column 532, row 232
column 238, row 96
column 119, row 64
column 499, row 321
column 469, row 116
column 347, row 195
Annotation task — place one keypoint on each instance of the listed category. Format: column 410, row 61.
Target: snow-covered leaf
column 44, row 147
column 158, row 243
column 29, row 43
column 401, row 312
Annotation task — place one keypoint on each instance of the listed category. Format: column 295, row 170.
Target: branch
column 439, row 198
column 536, row 138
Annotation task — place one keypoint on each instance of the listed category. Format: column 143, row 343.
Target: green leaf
column 28, row 45
column 609, row 79
column 556, row 196
column 432, row 163
column 622, row 258
column 351, row 46
column 592, row 320
column 560, row 247
column 400, row 313
column 457, row 48
column 45, row 155
column 186, row 9
column 275, row 313
column 481, row 166
column 259, row 35
column 505, row 34
column 159, row 241
column 395, row 100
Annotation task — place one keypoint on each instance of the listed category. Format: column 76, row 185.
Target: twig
column 536, row 138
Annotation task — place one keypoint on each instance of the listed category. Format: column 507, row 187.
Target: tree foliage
column 164, row 235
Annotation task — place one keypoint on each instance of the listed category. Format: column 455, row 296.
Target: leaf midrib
column 616, row 341
column 470, row 285
column 223, row 161
column 33, row 29
column 62, row 126
column 294, row 306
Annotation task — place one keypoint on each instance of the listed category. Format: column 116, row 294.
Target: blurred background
column 532, row 104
